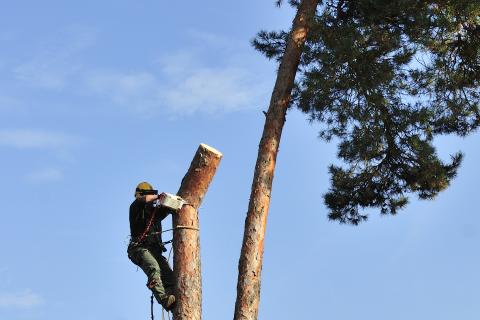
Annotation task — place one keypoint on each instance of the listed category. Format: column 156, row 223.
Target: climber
column 146, row 246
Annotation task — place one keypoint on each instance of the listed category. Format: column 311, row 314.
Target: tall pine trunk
column 250, row 264
column 186, row 239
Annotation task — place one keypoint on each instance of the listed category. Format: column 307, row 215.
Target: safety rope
column 144, row 234
column 163, row 309
column 147, row 228
column 180, row 227
column 187, row 227
column 168, row 261
column 151, row 306
column 151, row 297
column 169, row 241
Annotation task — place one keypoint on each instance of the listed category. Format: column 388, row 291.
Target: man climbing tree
column 181, row 290
column 384, row 78
column 146, row 246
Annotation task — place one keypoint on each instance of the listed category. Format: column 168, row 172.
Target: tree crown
column 386, row 77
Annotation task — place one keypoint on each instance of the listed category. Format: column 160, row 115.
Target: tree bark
column 186, row 238
column 250, row 264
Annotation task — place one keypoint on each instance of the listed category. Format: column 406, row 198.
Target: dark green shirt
column 140, row 214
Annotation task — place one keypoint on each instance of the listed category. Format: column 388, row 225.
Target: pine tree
column 251, row 256
column 384, row 78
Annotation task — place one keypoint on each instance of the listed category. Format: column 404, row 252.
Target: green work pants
column 155, row 266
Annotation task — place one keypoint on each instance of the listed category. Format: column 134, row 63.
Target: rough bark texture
column 250, row 264
column 186, row 238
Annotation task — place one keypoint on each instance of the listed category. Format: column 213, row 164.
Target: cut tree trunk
column 186, row 238
column 250, row 264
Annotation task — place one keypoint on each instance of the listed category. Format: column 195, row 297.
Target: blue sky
column 97, row 96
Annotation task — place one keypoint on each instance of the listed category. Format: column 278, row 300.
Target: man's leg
column 166, row 274
column 143, row 258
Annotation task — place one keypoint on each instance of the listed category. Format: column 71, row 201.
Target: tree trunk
column 250, row 264
column 186, row 238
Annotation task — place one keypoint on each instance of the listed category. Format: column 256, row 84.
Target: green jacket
column 140, row 216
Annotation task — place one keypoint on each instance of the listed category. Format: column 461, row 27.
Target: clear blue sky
column 96, row 96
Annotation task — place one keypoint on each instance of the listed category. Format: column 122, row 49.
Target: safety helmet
column 142, row 186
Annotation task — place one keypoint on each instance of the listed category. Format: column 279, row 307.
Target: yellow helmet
column 142, row 186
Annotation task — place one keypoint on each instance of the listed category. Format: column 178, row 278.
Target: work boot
column 168, row 302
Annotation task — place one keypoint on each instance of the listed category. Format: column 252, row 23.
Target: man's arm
column 162, row 212
column 152, row 197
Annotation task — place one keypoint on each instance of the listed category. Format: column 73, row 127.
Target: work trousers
column 156, row 267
